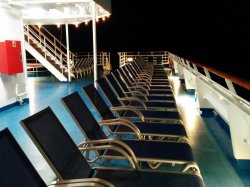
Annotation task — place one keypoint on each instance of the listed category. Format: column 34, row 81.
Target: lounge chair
column 142, row 94
column 132, row 112
column 89, row 126
column 111, row 83
column 157, row 74
column 123, row 91
column 160, row 131
column 17, row 171
column 67, row 161
column 128, row 70
column 136, row 81
column 134, row 151
column 142, row 77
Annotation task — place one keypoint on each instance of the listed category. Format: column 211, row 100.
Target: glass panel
column 242, row 92
column 218, row 79
column 201, row 70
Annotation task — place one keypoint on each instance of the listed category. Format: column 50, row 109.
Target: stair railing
column 53, row 49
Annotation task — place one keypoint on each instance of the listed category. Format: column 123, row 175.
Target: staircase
column 50, row 52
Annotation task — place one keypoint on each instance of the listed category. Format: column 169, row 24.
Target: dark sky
column 217, row 34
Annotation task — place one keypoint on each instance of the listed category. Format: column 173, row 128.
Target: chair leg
column 154, row 165
column 193, row 167
column 183, row 140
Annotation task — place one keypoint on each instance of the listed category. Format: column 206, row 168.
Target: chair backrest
column 136, row 68
column 15, row 168
column 120, row 81
column 140, row 62
column 110, row 78
column 83, row 117
column 128, row 74
column 109, row 93
column 131, row 71
column 125, row 78
column 56, row 145
column 98, row 102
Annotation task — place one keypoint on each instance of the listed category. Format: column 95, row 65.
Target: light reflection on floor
column 215, row 168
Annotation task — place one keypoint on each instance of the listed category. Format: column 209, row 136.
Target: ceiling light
column 36, row 12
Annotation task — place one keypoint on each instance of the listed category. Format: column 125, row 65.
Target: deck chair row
column 73, row 164
column 149, row 88
column 157, row 71
column 53, row 141
column 84, row 66
column 147, row 77
column 44, row 126
column 134, row 98
column 131, row 82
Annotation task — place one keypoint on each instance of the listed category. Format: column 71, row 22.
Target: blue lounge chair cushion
column 150, row 179
column 154, row 114
column 159, row 150
column 157, row 128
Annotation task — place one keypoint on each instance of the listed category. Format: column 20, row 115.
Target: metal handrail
column 41, row 42
column 241, row 82
column 57, row 44
column 51, row 49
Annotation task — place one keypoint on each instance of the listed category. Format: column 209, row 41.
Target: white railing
column 220, row 91
column 156, row 57
column 230, row 80
column 103, row 58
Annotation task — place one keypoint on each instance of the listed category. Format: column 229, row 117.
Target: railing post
column 230, row 86
column 207, row 73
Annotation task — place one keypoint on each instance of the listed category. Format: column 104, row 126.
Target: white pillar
column 94, row 40
column 24, row 59
column 67, row 44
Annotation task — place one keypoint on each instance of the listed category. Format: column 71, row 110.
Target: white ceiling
column 55, row 11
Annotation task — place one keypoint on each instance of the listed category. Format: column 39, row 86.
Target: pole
column 94, row 40
column 67, row 43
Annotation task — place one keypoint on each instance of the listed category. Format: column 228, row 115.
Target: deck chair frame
column 136, row 101
column 117, row 176
column 33, row 126
column 121, row 109
column 113, row 124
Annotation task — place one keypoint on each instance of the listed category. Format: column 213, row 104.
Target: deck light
column 130, row 59
column 39, row 25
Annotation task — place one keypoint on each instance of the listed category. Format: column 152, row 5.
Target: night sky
column 216, row 34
